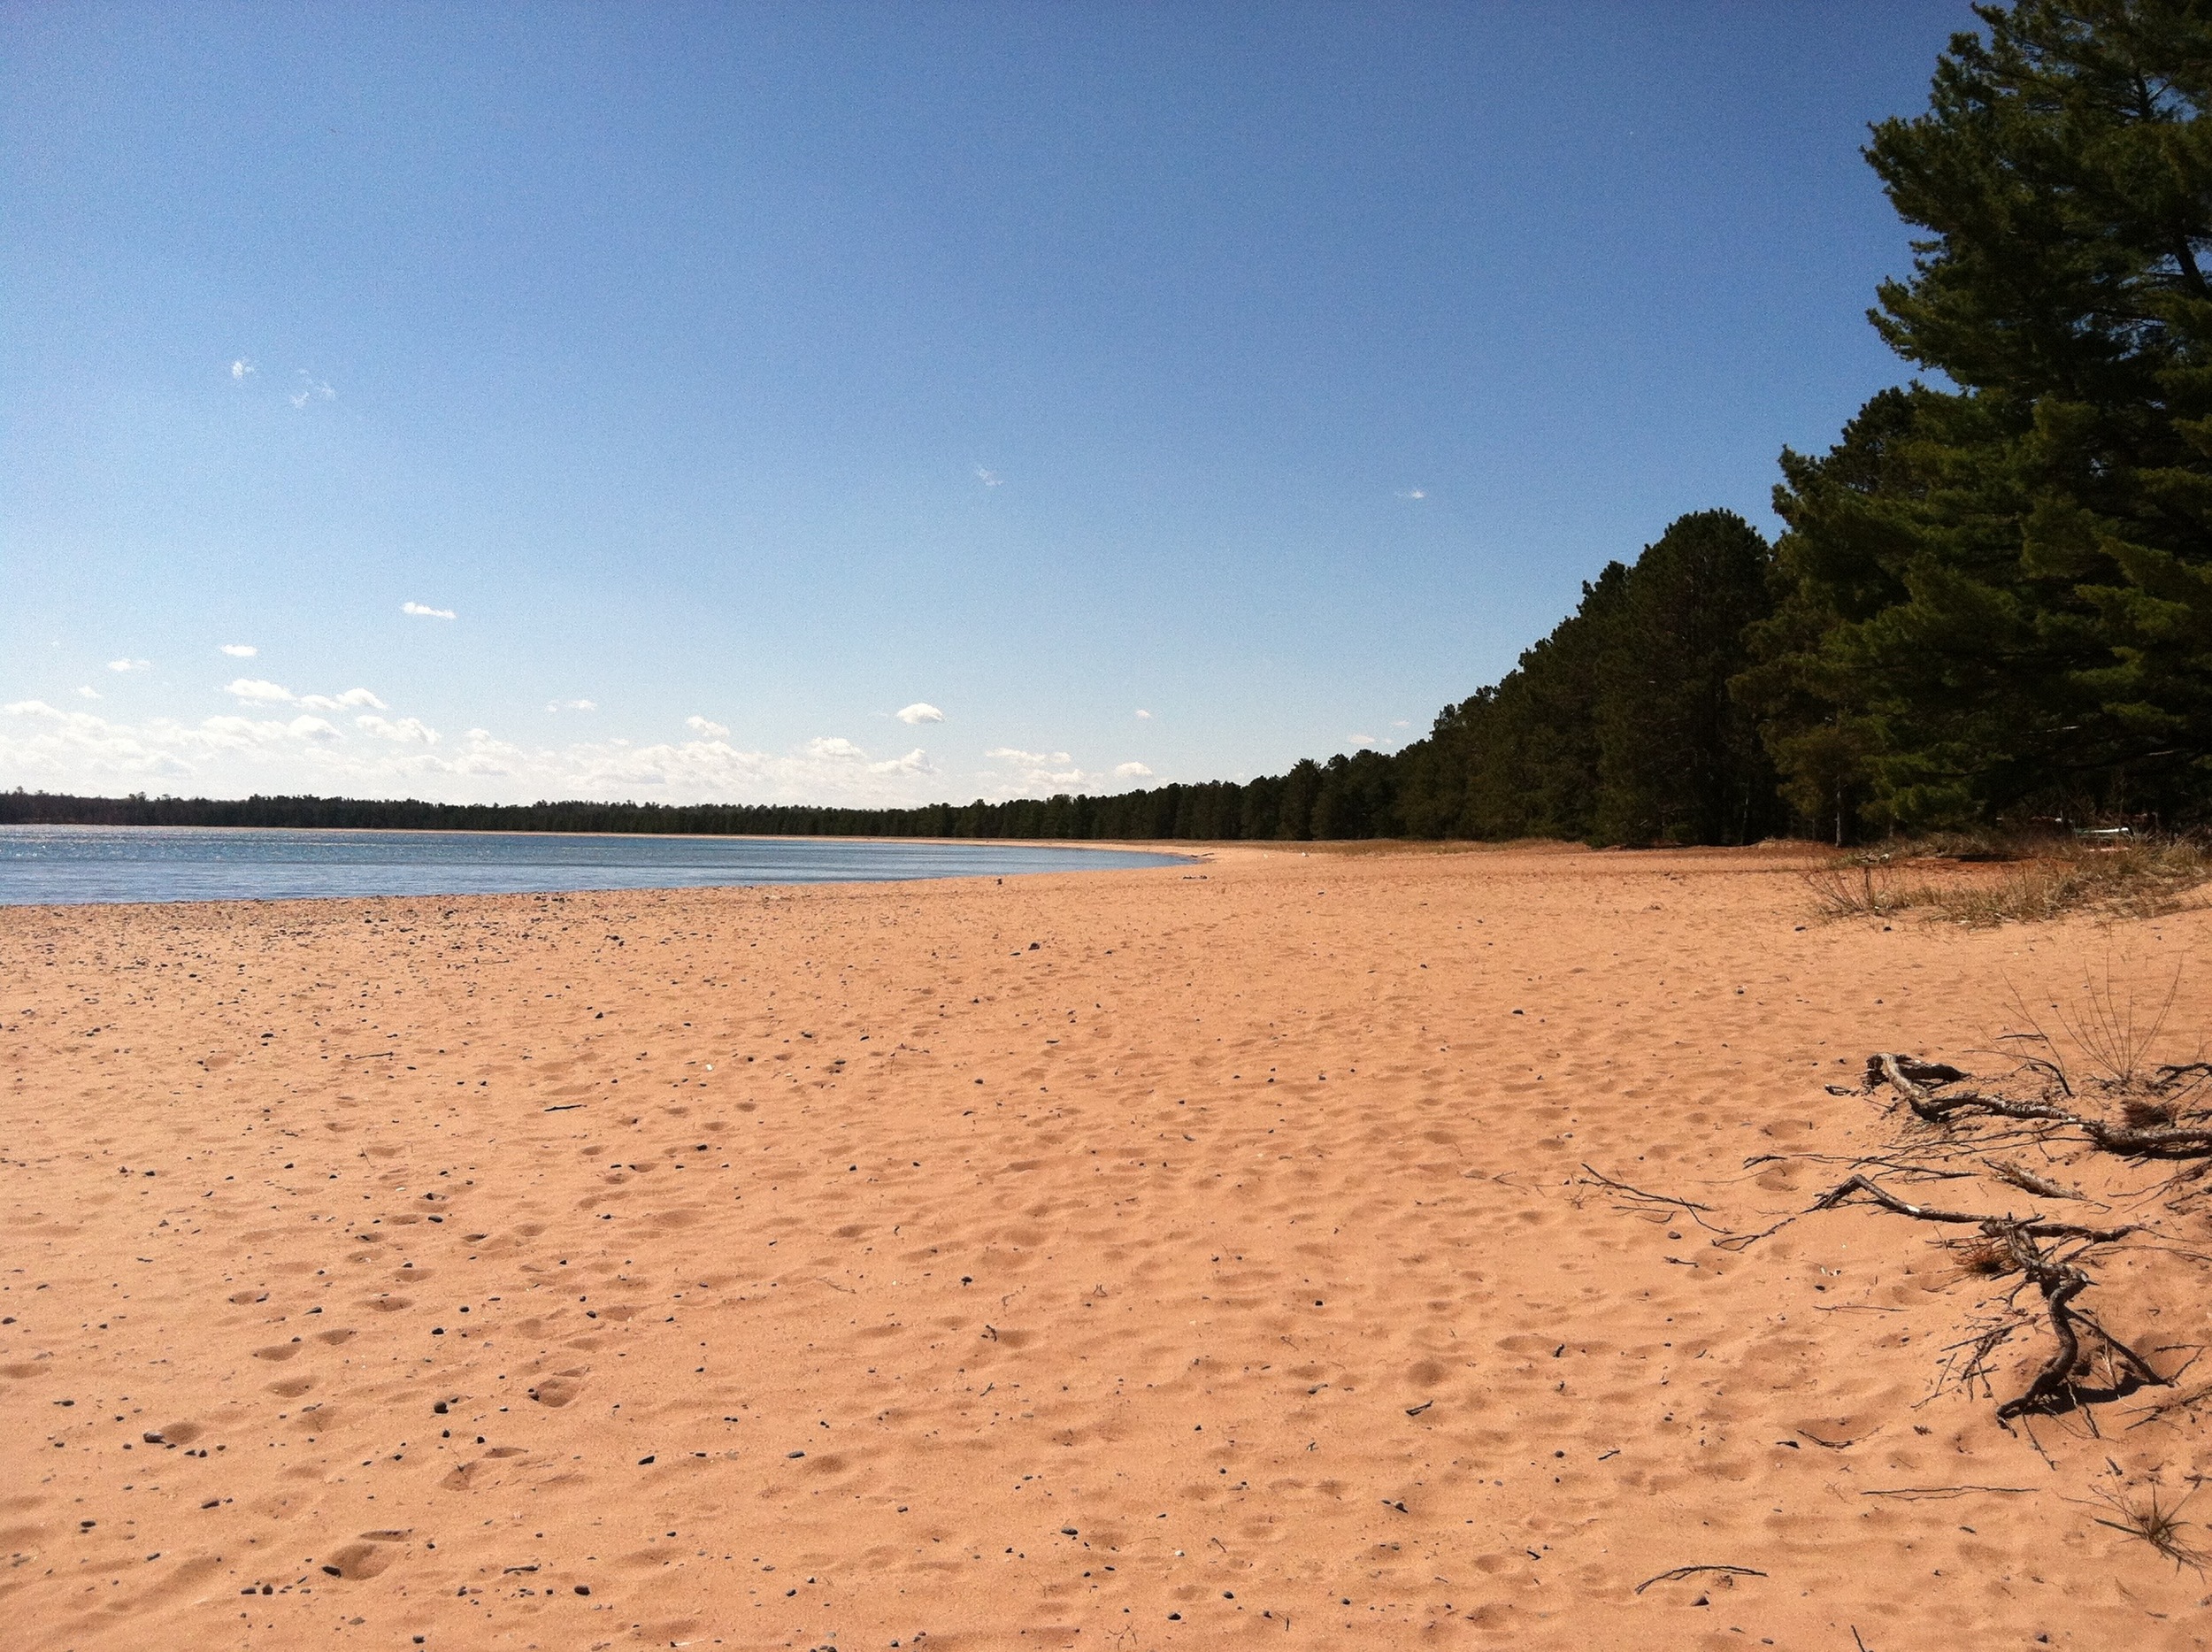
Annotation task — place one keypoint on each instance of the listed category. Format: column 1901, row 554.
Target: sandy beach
column 1177, row 1257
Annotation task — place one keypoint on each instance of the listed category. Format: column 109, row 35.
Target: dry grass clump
column 1985, row 1258
column 1959, row 846
column 2148, row 1112
column 2155, row 1521
column 2140, row 877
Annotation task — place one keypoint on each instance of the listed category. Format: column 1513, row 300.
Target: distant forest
column 1992, row 600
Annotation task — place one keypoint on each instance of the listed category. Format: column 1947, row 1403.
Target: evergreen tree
column 1301, row 789
column 1677, row 756
column 2000, row 597
column 1524, row 752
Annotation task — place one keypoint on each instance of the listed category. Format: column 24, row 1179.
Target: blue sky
column 1122, row 393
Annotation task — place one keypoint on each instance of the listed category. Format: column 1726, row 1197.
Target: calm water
column 73, row 865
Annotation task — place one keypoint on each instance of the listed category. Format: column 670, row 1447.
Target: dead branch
column 1993, row 1225
column 2175, row 1141
column 2021, row 1177
column 1903, row 1167
column 1910, row 1072
column 2134, row 1360
column 2011, row 1245
column 1638, row 1193
column 2134, row 1140
column 1977, row 1349
column 1737, row 1243
column 2180, row 1402
column 2055, row 1071
column 2054, row 1382
column 1690, row 1207
column 1680, row 1572
column 1888, row 1200
column 1917, row 1082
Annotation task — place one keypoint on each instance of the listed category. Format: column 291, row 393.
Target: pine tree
column 2001, row 595
column 1679, row 758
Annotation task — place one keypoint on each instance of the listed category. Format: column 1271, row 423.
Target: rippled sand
column 1126, row 1260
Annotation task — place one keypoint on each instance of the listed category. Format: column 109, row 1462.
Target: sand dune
column 1148, row 1259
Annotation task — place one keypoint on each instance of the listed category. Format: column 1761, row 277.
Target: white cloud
column 239, row 651
column 920, row 711
column 256, row 688
column 707, row 726
column 1042, row 771
column 837, row 750
column 1399, row 723
column 1363, row 740
column 571, row 705
column 407, row 728
column 1132, row 772
column 338, row 702
column 240, row 368
column 423, row 611
column 90, row 693
column 312, row 389
column 130, row 665
column 989, row 479
column 1144, row 716
column 1415, row 493
column 79, row 750
column 235, row 754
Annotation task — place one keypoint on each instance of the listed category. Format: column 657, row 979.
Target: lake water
column 77, row 864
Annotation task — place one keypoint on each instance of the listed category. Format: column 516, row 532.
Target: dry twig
column 1680, row 1572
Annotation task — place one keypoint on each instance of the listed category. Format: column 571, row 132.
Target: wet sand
column 1165, row 1258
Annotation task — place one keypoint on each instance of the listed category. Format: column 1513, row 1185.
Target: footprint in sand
column 558, row 1391
column 277, row 1351
column 367, row 1558
column 465, row 1477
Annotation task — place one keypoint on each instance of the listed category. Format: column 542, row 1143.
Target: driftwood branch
column 1680, row 1572
column 2012, row 1245
column 2054, row 1382
column 2032, row 1228
column 1917, row 1082
column 2021, row 1177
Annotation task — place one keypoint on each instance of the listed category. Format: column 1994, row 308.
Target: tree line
column 1992, row 599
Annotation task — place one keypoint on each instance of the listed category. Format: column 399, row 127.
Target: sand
column 1178, row 1257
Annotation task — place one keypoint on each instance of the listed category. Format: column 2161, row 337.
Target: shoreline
column 992, row 854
